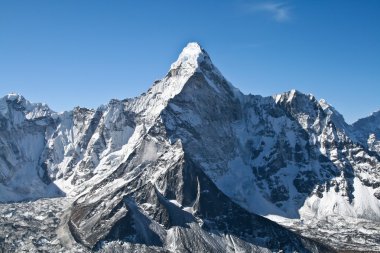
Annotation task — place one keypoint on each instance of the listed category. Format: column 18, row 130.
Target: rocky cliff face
column 23, row 130
column 189, row 164
column 367, row 131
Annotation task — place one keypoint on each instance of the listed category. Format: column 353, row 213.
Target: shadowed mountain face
column 189, row 164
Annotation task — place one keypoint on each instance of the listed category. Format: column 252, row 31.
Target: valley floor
column 344, row 234
column 41, row 226
column 37, row 226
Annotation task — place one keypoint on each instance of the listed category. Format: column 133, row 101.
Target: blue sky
column 85, row 52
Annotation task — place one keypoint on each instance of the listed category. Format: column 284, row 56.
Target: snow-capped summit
column 13, row 96
column 14, row 105
column 190, row 57
column 192, row 63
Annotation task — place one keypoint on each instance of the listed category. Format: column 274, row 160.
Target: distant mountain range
column 192, row 165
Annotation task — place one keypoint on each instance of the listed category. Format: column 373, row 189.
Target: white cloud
column 278, row 11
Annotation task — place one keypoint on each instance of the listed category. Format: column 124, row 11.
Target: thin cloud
column 278, row 11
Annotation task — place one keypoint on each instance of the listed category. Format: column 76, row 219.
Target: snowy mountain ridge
column 183, row 159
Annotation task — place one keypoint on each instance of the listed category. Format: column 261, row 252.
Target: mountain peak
column 193, row 48
column 289, row 96
column 13, row 96
column 18, row 102
column 190, row 58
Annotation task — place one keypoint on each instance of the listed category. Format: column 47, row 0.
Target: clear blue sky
column 85, row 52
